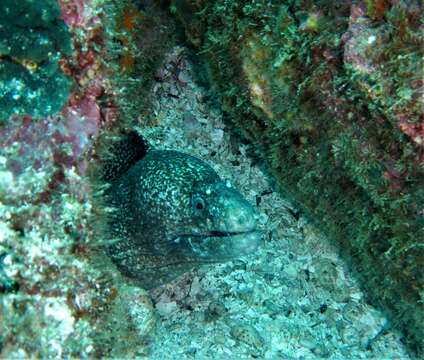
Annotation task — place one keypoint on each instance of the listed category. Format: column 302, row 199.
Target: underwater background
column 313, row 110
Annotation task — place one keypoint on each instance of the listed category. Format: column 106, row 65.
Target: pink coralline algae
column 359, row 41
column 77, row 13
column 27, row 158
column 36, row 153
column 415, row 132
column 82, row 122
column 385, row 62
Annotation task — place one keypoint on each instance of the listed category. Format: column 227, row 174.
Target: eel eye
column 198, row 205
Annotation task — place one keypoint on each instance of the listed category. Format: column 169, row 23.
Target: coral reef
column 55, row 288
column 32, row 41
column 294, row 297
column 61, row 297
column 330, row 94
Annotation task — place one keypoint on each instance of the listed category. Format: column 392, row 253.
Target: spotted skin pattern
column 172, row 212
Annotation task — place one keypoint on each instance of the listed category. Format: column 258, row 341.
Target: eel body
column 172, row 212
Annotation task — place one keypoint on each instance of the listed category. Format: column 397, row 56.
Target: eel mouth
column 217, row 245
column 212, row 233
column 217, row 233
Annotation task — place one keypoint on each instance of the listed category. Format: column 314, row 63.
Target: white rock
column 166, row 308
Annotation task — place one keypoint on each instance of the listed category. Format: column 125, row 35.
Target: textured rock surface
column 331, row 96
column 293, row 298
column 57, row 296
column 60, row 297
column 32, row 41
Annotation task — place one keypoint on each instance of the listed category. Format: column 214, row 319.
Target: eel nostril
column 242, row 219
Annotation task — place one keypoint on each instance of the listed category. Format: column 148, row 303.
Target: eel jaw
column 217, row 245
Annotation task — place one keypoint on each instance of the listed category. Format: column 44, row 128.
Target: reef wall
column 67, row 70
column 329, row 92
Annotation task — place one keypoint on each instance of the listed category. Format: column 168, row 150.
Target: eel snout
column 232, row 232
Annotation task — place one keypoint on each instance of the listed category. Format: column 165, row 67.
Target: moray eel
column 172, row 212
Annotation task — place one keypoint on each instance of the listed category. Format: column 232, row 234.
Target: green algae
column 325, row 93
column 136, row 42
column 108, row 318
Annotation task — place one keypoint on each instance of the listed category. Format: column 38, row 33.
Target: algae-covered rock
column 142, row 31
column 329, row 93
column 58, row 296
column 32, row 41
